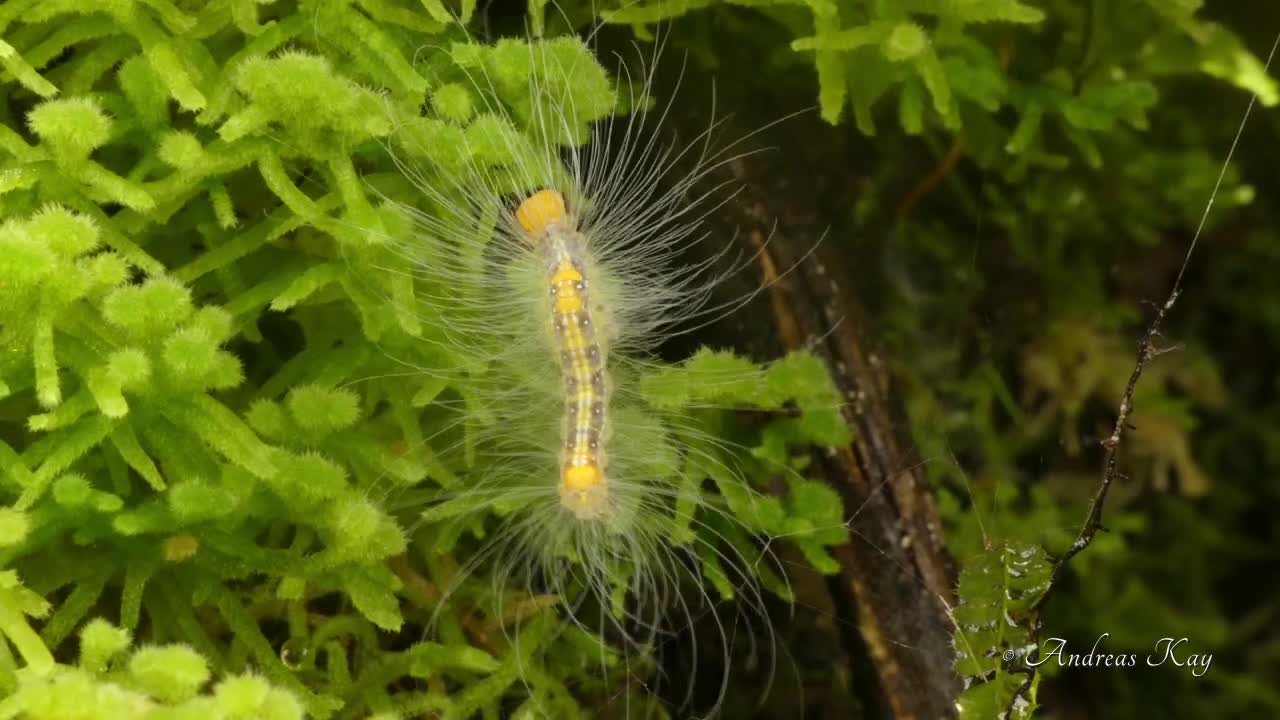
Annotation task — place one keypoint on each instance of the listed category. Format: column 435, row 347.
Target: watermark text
column 1175, row 652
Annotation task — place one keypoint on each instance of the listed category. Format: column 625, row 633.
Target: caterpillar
column 584, row 491
column 547, row 246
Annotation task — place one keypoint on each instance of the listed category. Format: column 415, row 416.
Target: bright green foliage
column 949, row 64
column 997, row 589
column 152, row 683
column 811, row 514
column 100, row 641
column 71, row 128
column 16, row 604
column 210, row 431
column 173, row 673
column 453, row 102
column 14, row 526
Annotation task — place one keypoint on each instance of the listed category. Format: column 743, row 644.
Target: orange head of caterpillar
column 541, row 211
column 583, row 491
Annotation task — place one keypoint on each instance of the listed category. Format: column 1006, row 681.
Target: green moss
column 14, row 527
column 155, row 683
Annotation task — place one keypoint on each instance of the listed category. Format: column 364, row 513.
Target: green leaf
column 373, row 594
column 997, row 588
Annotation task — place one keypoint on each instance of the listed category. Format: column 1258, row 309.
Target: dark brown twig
column 934, row 178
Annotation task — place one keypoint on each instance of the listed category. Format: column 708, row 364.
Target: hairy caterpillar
column 583, row 487
column 547, row 246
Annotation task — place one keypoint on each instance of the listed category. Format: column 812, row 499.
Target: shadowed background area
column 982, row 308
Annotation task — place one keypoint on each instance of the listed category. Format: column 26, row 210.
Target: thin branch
column 934, row 178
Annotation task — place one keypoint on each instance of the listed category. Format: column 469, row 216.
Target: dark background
column 1007, row 308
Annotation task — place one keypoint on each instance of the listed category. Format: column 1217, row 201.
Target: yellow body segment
column 583, row 487
column 578, row 478
column 565, row 280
